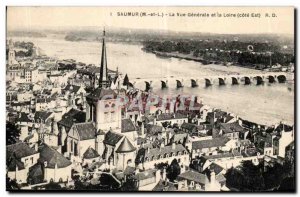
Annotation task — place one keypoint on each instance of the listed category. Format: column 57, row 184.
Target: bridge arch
column 208, row 82
column 281, row 78
column 221, row 81
column 271, row 79
column 247, row 80
column 194, row 83
column 259, row 80
column 235, row 81
column 148, row 86
column 164, row 84
column 179, row 84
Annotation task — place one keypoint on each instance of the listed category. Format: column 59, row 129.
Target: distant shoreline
column 189, row 57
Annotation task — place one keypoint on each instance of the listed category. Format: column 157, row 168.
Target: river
column 265, row 104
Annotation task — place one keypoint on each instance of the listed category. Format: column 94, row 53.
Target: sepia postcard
column 157, row 99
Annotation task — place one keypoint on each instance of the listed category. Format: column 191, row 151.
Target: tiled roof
column 190, row 126
column 129, row 170
column 286, row 128
column 194, row 176
column 85, row 130
column 12, row 162
column 153, row 129
column 71, row 117
column 72, row 88
column 41, row 115
column 164, row 186
column 145, row 174
column 127, row 126
column 36, row 174
column 215, row 142
column 112, row 138
column 125, row 146
column 179, row 137
column 223, row 155
column 100, row 93
column 19, row 150
column 215, row 167
column 23, row 117
column 157, row 152
column 167, row 116
column 90, row 153
column 52, row 157
column 231, row 127
column 91, row 70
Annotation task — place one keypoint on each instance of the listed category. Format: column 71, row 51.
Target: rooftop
column 215, row 142
column 52, row 157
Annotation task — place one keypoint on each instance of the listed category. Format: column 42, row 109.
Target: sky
column 51, row 17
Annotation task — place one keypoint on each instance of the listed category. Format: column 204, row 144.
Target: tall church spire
column 103, row 81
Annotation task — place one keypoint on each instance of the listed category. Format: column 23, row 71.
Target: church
column 103, row 134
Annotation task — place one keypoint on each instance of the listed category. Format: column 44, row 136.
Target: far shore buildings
column 72, row 125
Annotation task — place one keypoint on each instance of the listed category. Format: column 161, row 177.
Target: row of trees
column 207, row 51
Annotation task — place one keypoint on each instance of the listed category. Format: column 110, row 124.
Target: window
column 112, row 116
column 192, row 184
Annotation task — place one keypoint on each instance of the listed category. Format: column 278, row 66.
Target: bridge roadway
column 246, row 79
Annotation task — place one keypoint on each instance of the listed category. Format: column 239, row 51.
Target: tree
column 126, row 80
column 247, row 178
column 287, row 185
column 166, row 124
column 273, row 176
column 234, row 178
column 11, row 184
column 173, row 170
column 252, row 174
column 12, row 133
column 130, row 184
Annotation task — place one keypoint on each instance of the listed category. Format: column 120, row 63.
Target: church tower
column 11, row 53
column 102, row 107
column 104, row 81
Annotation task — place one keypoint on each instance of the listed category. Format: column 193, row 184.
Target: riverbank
column 190, row 57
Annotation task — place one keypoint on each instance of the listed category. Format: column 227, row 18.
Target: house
column 90, row 156
column 212, row 146
column 193, row 129
column 80, row 137
column 74, row 94
column 19, row 158
column 51, row 167
column 149, row 157
column 195, row 181
column 148, row 179
column 172, row 118
column 230, row 130
column 285, row 135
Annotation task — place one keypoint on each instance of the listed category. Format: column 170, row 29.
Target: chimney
column 173, row 146
column 212, row 176
column 36, row 146
column 164, row 174
column 142, row 129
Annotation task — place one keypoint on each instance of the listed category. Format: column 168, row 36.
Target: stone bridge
column 238, row 79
